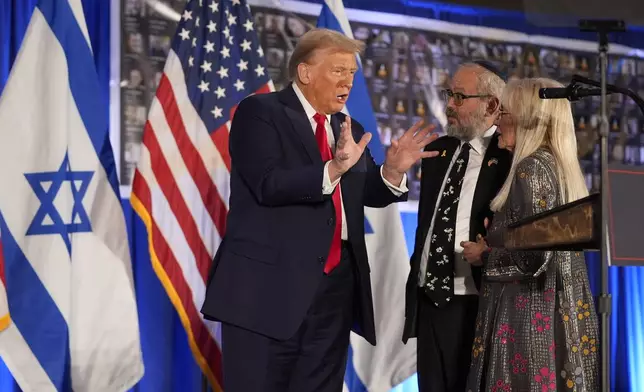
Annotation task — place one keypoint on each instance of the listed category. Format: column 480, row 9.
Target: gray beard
column 463, row 133
column 468, row 132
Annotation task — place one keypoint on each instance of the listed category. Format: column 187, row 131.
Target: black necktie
column 439, row 279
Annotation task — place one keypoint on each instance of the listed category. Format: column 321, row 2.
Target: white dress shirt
column 463, row 281
column 327, row 186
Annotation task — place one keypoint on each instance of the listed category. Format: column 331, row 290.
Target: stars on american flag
column 248, row 25
column 223, row 72
column 223, row 61
column 216, row 112
column 220, row 92
column 206, row 66
column 203, row 86
column 243, row 65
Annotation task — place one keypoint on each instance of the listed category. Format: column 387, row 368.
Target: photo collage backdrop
column 405, row 70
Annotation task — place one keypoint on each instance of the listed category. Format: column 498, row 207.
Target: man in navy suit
column 291, row 278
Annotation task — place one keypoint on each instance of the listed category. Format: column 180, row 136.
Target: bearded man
column 455, row 194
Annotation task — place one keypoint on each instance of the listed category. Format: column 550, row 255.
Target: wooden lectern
column 575, row 227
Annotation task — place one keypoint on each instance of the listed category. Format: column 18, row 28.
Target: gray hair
column 488, row 82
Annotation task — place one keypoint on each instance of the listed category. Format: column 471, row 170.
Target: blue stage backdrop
column 169, row 365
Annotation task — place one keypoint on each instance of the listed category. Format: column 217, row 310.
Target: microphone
column 571, row 92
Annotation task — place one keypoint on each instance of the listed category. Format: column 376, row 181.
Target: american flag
column 181, row 184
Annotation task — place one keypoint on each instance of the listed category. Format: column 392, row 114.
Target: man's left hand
column 472, row 251
column 407, row 150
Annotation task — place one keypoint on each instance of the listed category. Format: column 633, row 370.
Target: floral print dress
column 536, row 329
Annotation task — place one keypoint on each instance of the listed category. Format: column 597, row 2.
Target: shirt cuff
column 327, row 186
column 396, row 190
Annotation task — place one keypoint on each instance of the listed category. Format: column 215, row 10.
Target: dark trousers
column 312, row 360
column 444, row 344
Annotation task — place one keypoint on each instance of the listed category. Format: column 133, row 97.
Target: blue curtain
column 169, row 365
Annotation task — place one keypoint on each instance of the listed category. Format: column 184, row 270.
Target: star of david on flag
column 46, row 186
column 70, row 320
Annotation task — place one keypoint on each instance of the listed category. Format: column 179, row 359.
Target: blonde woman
column 536, row 328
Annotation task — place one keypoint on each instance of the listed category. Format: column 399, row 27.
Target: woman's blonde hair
column 542, row 123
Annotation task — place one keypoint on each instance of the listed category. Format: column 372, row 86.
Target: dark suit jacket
column 279, row 229
column 494, row 170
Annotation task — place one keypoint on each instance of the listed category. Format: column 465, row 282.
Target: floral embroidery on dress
column 519, row 364
column 585, row 345
column 546, row 378
column 549, row 295
column 501, row 386
column 541, row 322
column 521, row 302
column 573, row 375
column 565, row 311
column 477, row 347
column 553, row 349
column 506, row 333
column 583, row 310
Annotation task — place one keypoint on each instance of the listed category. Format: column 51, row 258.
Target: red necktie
column 323, row 144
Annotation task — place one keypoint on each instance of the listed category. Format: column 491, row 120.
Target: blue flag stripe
column 364, row 115
column 83, row 81
column 35, row 313
column 359, row 103
column 351, row 377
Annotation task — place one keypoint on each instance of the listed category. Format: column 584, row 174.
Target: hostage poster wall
column 405, row 70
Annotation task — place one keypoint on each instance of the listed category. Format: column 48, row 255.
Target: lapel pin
column 492, row 161
column 444, row 154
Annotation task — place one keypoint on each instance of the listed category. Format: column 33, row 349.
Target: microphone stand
column 603, row 27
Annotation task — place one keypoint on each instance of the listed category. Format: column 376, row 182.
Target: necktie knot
column 319, row 118
column 466, row 148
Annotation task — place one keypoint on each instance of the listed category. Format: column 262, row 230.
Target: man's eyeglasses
column 460, row 97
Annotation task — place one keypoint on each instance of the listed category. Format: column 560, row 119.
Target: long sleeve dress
column 536, row 329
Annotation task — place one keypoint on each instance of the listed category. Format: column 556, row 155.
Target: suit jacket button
column 330, row 221
column 320, row 259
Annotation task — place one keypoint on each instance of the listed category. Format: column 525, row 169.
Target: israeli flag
column 72, row 312
column 390, row 362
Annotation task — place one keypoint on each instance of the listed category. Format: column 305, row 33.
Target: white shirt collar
column 481, row 143
column 308, row 109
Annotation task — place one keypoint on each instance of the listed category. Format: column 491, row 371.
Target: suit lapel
column 485, row 185
column 436, row 170
column 444, row 159
column 300, row 124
